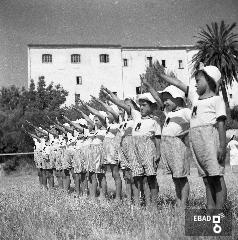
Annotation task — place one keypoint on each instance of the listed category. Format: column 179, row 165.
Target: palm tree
column 218, row 46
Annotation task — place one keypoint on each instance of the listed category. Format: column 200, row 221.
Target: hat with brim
column 173, row 91
column 211, row 71
column 146, row 97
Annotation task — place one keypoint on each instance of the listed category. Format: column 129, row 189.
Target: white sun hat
column 174, row 92
column 104, row 114
column 146, row 96
column 211, row 71
column 81, row 121
column 66, row 124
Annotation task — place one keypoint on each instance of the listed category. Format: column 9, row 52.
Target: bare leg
column 44, row 178
column 66, row 179
column 138, row 181
column 77, row 183
column 210, row 194
column 128, row 181
column 178, row 191
column 117, row 179
column 73, row 175
column 146, row 190
column 84, row 184
column 154, row 188
column 102, row 184
column 92, row 184
column 50, row 178
column 59, row 176
column 40, row 175
column 221, row 191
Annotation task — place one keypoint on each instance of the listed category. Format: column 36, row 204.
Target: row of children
column 135, row 142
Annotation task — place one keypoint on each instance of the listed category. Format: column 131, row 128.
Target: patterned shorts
column 46, row 162
column 142, row 156
column 38, row 159
column 111, row 147
column 174, row 157
column 56, row 156
column 96, row 158
column 79, row 161
column 67, row 157
column 125, row 163
column 204, row 144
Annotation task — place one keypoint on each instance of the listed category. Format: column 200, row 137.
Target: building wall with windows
column 82, row 69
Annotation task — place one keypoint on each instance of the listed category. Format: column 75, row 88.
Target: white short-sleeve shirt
column 146, row 127
column 206, row 111
column 112, row 130
column 176, row 122
column 99, row 136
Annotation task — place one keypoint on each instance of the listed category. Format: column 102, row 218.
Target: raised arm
column 49, row 131
column 114, row 99
column 31, row 134
column 76, row 126
column 68, row 129
column 174, row 81
column 36, row 128
column 98, row 114
column 107, row 108
column 153, row 92
column 86, row 117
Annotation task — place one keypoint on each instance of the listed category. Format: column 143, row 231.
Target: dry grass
column 28, row 212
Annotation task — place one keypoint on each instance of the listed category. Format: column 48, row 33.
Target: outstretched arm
column 98, row 114
column 36, row 128
column 107, row 108
column 114, row 99
column 174, row 81
column 76, row 126
column 49, row 131
column 68, row 129
column 31, row 134
column 86, row 117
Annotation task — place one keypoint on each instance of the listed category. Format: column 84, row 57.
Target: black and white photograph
column 118, row 119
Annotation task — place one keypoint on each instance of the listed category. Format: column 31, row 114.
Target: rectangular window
column 180, row 62
column 138, row 90
column 163, row 63
column 75, row 58
column 79, row 80
column 104, row 58
column 46, row 58
column 115, row 93
column 149, row 59
column 125, row 62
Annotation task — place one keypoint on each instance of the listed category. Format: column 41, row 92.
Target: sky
column 125, row 22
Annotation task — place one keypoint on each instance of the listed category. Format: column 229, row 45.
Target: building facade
column 82, row 69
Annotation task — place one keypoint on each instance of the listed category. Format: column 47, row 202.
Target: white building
column 82, row 69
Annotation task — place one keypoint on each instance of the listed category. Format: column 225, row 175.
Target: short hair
column 210, row 81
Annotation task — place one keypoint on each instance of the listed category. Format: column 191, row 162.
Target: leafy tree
column 218, row 46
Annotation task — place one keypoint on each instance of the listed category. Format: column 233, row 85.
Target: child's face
column 145, row 108
column 169, row 102
column 201, row 84
column 97, row 122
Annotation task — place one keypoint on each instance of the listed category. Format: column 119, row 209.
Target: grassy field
column 28, row 212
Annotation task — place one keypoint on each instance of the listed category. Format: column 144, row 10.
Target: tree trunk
column 224, row 94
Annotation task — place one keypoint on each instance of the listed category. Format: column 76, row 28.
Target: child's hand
column 221, row 155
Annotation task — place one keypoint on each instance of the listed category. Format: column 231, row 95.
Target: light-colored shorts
column 78, row 161
column 204, row 144
column 46, row 162
column 111, row 148
column 96, row 159
column 174, row 157
column 38, row 159
column 125, row 163
column 142, row 155
column 67, row 157
column 56, row 155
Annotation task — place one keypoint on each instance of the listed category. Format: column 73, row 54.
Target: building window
column 138, row 90
column 115, row 93
column 125, row 62
column 75, row 58
column 79, row 80
column 46, row 58
column 180, row 62
column 77, row 99
column 104, row 58
column 149, row 59
column 163, row 63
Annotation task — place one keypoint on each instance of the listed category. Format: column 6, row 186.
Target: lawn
column 28, row 212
